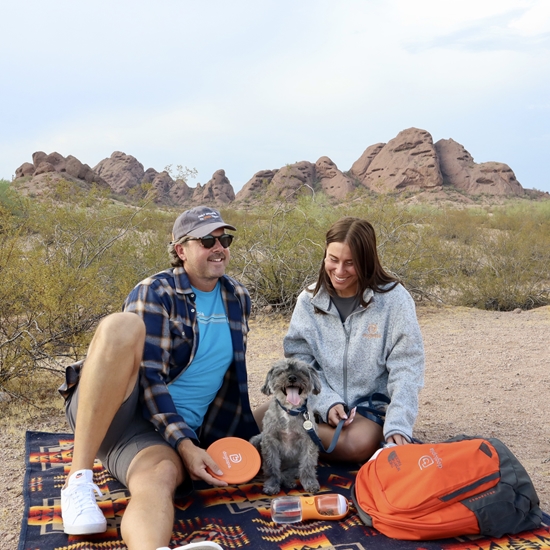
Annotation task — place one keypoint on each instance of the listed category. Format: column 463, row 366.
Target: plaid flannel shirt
column 166, row 304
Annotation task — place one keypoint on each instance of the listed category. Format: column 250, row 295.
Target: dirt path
column 487, row 373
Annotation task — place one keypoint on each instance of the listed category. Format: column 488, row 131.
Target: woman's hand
column 337, row 413
column 397, row 439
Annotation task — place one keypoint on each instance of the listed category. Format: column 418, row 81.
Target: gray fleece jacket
column 377, row 350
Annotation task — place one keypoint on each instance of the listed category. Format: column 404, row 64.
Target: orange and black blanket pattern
column 236, row 517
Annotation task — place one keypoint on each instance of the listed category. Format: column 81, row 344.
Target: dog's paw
column 256, row 440
column 271, row 487
column 289, row 481
column 311, row 486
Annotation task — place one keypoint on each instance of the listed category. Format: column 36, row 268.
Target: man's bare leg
column 108, row 378
column 153, row 476
column 109, row 375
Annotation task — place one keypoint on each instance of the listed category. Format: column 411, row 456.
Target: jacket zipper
column 345, row 362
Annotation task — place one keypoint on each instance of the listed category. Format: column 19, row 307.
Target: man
column 166, row 371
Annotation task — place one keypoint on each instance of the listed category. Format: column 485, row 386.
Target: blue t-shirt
column 196, row 387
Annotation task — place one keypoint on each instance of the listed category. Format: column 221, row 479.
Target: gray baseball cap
column 198, row 222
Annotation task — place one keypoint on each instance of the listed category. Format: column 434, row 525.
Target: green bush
column 278, row 251
column 62, row 268
column 510, row 265
column 70, row 259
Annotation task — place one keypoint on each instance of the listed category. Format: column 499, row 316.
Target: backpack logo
column 425, row 462
column 394, row 461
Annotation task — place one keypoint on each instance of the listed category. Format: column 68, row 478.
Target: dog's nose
column 292, row 378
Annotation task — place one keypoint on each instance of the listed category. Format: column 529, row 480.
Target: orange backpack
column 463, row 486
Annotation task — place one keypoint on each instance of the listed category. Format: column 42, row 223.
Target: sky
column 252, row 85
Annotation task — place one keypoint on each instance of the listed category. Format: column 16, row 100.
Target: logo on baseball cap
column 198, row 222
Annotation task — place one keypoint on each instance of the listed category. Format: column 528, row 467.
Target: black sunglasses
column 209, row 240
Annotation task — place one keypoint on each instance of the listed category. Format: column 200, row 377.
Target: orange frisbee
column 237, row 458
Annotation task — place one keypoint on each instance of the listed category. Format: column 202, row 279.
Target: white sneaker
column 205, row 545
column 79, row 510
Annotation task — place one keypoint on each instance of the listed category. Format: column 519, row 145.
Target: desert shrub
column 69, row 260
column 62, row 268
column 509, row 262
column 10, row 200
column 459, row 225
column 405, row 243
column 493, row 260
column 278, row 250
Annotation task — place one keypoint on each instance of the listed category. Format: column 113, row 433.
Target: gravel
column 487, row 374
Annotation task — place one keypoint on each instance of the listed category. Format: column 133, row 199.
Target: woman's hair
column 359, row 235
column 175, row 260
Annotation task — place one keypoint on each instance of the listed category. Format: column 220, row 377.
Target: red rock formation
column 408, row 161
column 292, row 180
column 217, row 191
column 460, row 171
column 122, row 172
column 54, row 163
column 360, row 166
column 256, row 186
column 332, row 181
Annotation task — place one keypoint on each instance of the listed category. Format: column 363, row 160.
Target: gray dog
column 288, row 452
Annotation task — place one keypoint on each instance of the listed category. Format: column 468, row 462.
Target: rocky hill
column 409, row 162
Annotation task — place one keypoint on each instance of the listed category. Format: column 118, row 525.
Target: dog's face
column 291, row 381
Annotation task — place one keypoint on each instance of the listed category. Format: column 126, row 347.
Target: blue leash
column 368, row 411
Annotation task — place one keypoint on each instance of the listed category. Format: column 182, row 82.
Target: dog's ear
column 315, row 380
column 266, row 388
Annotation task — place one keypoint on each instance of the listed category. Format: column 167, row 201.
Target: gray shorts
column 128, row 434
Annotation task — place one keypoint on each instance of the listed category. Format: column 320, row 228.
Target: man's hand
column 337, row 413
column 196, row 461
column 397, row 439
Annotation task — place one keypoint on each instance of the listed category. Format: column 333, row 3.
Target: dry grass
column 487, row 373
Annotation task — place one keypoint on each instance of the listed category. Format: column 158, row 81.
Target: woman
column 358, row 327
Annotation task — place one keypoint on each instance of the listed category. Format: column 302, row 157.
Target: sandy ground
column 487, row 373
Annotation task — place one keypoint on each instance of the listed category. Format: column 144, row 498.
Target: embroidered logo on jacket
column 372, row 332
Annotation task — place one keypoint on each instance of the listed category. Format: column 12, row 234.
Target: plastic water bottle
column 332, row 506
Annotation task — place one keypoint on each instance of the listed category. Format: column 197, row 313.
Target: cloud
column 535, row 21
column 252, row 85
column 478, row 26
